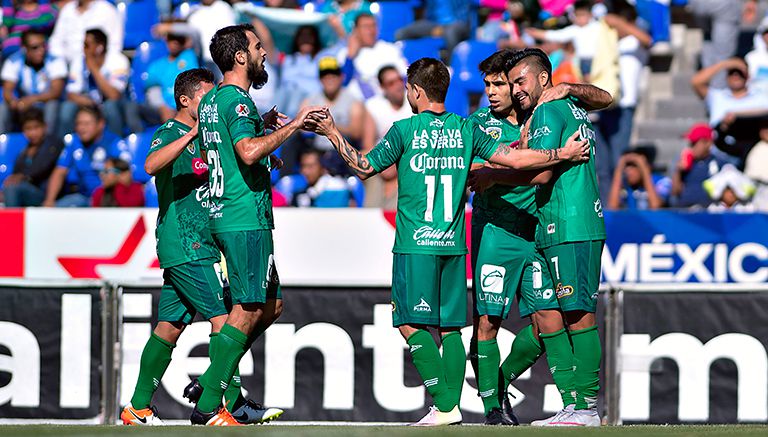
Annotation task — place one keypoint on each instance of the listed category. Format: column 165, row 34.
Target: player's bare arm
column 508, row 155
column 591, row 97
column 252, row 150
column 355, row 160
column 161, row 158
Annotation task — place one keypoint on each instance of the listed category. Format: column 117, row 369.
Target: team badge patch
column 191, row 147
column 242, row 110
column 493, row 132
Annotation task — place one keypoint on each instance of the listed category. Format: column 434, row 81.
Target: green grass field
column 365, row 431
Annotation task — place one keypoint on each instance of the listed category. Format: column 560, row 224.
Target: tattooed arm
column 356, row 161
column 531, row 159
column 591, row 97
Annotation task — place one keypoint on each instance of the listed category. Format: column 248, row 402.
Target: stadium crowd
column 87, row 82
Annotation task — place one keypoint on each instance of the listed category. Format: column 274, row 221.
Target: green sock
column 560, row 359
column 524, row 353
column 154, row 361
column 586, row 353
column 233, row 394
column 426, row 358
column 488, row 358
column 230, row 345
column 454, row 364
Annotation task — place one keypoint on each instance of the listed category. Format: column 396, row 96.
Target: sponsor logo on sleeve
column 242, row 110
column 551, row 228
column 157, row 142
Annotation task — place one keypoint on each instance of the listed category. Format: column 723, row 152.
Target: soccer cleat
column 506, row 408
column 144, row 417
column 497, row 417
column 220, row 417
column 559, row 416
column 193, row 391
column 251, row 412
column 436, row 417
column 587, row 417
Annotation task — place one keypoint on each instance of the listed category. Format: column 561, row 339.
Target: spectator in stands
column 757, row 59
column 724, row 105
column 635, row 187
column 117, row 186
column 443, row 18
column 391, row 105
column 161, row 74
column 346, row 109
column 730, row 190
column 26, row 185
column 22, row 16
column 583, row 33
column 381, row 192
column 722, row 19
column 365, row 54
column 697, row 164
column 298, row 71
column 206, row 19
column 32, row 77
column 343, row 14
column 318, row 188
column 99, row 77
column 756, row 164
column 76, row 175
column 509, row 28
column 80, row 15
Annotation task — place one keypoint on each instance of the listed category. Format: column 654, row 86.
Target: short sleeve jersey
column 509, row 207
column 182, row 221
column 568, row 207
column 433, row 153
column 240, row 194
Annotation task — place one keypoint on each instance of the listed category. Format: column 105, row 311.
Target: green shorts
column 251, row 266
column 189, row 288
column 507, row 265
column 575, row 268
column 429, row 290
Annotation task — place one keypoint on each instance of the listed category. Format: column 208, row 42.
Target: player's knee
column 278, row 310
column 169, row 331
column 548, row 321
column 487, row 329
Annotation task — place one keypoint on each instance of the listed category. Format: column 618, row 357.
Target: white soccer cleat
column 436, row 417
column 145, row 417
column 587, row 417
column 559, row 416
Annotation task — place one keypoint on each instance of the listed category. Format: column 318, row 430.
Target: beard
column 257, row 74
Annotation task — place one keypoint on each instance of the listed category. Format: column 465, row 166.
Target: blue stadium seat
column 150, row 194
column 11, row 144
column 140, row 16
column 147, row 52
column 358, row 190
column 457, row 100
column 392, row 16
column 414, row 49
column 138, row 146
column 464, row 61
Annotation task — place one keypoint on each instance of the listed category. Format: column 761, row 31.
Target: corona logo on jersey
column 437, row 139
column 422, row 162
column 586, row 133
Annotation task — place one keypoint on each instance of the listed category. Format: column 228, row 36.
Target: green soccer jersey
column 509, row 207
column 182, row 221
column 241, row 195
column 568, row 207
column 433, row 153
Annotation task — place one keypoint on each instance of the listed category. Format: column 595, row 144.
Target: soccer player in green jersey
column 570, row 235
column 187, row 253
column 505, row 262
column 433, row 151
column 237, row 150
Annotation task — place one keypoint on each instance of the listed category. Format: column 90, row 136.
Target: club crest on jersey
column 191, row 147
column 242, row 110
column 493, row 132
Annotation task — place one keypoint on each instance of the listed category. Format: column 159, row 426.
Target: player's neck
column 183, row 117
column 437, row 108
column 237, row 79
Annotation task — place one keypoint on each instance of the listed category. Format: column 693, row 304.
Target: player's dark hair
column 92, row 110
column 32, row 114
column 312, row 151
column 535, row 58
column 188, row 83
column 227, row 42
column 31, row 31
column 431, row 75
column 98, row 35
column 384, row 70
column 363, row 15
column 582, row 4
column 496, row 63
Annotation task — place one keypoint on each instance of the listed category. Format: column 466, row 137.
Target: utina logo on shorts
column 422, row 307
column 492, row 278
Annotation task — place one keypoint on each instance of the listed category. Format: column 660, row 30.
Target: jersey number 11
column 447, row 182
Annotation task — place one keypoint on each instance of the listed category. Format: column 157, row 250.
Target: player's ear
column 544, row 78
column 184, row 100
column 241, row 57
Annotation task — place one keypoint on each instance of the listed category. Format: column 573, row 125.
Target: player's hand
column 320, row 123
column 576, row 150
column 304, row 112
column 480, row 180
column 194, row 131
column 275, row 163
column 557, row 92
column 274, row 119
